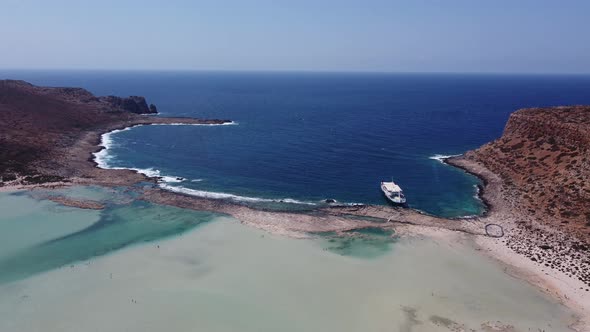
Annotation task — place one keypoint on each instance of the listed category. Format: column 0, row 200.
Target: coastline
column 569, row 291
column 81, row 156
column 404, row 222
column 490, row 181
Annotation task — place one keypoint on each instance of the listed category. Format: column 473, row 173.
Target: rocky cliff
column 543, row 157
column 36, row 121
column 133, row 104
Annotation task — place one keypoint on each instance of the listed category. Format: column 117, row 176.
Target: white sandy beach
column 570, row 291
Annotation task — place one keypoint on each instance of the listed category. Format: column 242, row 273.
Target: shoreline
column 338, row 219
column 481, row 189
column 82, row 154
column 405, row 222
column 569, row 291
column 302, row 225
column 103, row 146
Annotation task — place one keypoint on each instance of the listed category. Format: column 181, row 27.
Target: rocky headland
column 543, row 162
column 537, row 186
column 49, row 134
column 544, row 154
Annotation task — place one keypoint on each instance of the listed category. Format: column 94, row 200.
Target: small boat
column 393, row 192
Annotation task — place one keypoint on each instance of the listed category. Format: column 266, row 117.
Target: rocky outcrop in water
column 153, row 109
column 133, row 104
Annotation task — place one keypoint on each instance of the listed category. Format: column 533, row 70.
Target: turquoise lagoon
column 136, row 266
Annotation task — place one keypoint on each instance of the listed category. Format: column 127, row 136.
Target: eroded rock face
column 133, row 104
column 153, row 109
column 544, row 155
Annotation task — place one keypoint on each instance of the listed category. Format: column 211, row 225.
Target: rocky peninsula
column 48, row 135
column 535, row 182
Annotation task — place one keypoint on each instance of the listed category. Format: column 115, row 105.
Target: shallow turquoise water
column 39, row 235
column 60, row 266
column 370, row 242
column 27, row 222
column 225, row 277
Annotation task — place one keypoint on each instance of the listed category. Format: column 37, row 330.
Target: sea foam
column 220, row 195
column 442, row 157
column 102, row 157
column 232, row 123
column 155, row 173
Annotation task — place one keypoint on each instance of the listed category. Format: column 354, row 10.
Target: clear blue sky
column 538, row 36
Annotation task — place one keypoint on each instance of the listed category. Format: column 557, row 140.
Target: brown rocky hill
column 36, row 121
column 543, row 156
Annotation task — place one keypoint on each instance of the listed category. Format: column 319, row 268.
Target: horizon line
column 294, row 71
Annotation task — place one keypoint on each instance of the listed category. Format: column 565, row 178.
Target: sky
column 516, row 36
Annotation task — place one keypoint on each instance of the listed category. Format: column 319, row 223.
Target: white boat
column 393, row 192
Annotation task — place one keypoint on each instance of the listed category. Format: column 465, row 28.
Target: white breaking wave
column 232, row 123
column 149, row 172
column 477, row 192
column 441, row 157
column 470, row 216
column 353, row 204
column 173, row 179
column 102, row 157
column 155, row 173
column 218, row 195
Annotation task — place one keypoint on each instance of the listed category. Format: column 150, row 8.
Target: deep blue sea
column 313, row 136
